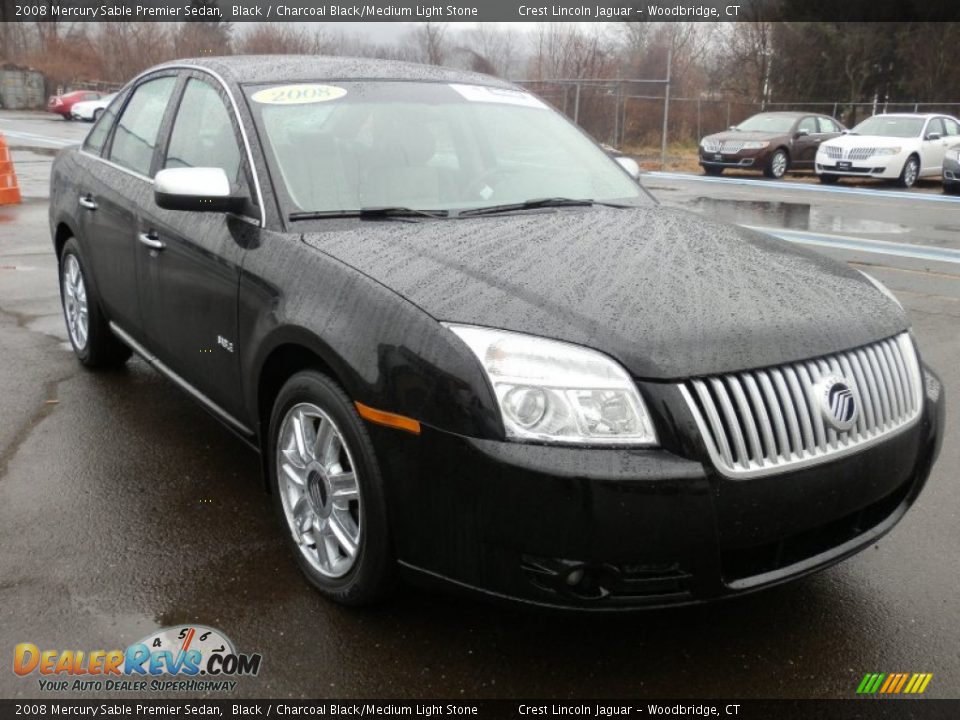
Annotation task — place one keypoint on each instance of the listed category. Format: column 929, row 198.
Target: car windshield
column 886, row 126
column 767, row 123
column 346, row 146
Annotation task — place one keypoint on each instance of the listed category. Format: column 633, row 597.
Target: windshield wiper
column 368, row 213
column 535, row 203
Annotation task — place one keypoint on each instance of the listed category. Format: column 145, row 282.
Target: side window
column 952, row 127
column 935, row 126
column 828, row 126
column 98, row 133
column 136, row 135
column 203, row 134
column 809, row 124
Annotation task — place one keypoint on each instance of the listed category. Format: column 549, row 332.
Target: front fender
column 386, row 352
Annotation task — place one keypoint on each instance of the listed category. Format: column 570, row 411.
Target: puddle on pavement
column 791, row 216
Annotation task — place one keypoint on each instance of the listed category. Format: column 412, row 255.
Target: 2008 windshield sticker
column 507, row 96
column 298, row 94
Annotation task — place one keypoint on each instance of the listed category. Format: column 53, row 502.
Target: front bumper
column 886, row 167
column 614, row 529
column 951, row 171
column 744, row 159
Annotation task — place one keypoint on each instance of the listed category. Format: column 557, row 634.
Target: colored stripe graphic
column 894, row 683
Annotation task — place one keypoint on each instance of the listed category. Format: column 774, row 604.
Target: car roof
column 911, row 115
column 241, row 69
column 789, row 113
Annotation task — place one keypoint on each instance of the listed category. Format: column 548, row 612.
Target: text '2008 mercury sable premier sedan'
column 470, row 348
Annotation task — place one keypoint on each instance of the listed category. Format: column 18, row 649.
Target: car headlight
column 881, row 152
column 710, row 145
column 555, row 392
column 881, row 287
column 754, row 145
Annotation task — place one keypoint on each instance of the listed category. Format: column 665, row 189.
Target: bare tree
column 426, row 43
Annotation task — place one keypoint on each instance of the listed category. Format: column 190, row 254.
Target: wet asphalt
column 124, row 508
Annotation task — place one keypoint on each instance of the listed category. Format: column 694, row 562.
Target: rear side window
column 98, row 133
column 203, row 135
column 136, row 135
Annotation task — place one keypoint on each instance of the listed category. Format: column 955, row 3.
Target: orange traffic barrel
column 9, row 187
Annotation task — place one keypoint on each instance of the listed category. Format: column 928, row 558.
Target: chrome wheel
column 910, row 172
column 75, row 302
column 778, row 164
column 319, row 490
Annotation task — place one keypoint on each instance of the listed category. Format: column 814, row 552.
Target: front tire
column 910, row 173
column 328, row 492
column 951, row 188
column 712, row 170
column 777, row 165
column 87, row 327
column 828, row 179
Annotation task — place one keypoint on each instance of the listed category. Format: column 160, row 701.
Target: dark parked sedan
column 951, row 171
column 772, row 142
column 471, row 349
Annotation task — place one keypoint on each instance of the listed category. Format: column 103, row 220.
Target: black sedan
column 471, row 349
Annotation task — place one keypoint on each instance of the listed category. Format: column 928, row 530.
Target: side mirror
column 732, row 127
column 802, row 133
column 630, row 165
column 197, row 189
column 932, row 136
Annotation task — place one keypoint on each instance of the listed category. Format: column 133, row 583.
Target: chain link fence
column 629, row 114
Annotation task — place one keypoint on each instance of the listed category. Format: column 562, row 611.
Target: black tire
column 829, row 179
column 908, row 179
column 100, row 348
column 371, row 576
column 712, row 170
column 951, row 188
column 97, row 113
column 778, row 164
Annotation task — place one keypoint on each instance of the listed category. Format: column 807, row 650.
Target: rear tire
column 87, row 327
column 711, row 170
column 910, row 173
column 328, row 492
column 829, row 179
column 778, row 164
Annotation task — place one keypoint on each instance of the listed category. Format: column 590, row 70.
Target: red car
column 61, row 104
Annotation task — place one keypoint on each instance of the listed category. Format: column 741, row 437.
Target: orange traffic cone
column 9, row 187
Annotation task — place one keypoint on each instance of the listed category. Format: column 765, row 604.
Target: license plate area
column 844, row 165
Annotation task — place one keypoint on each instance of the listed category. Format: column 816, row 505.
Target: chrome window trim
column 821, row 446
column 177, row 380
column 262, row 222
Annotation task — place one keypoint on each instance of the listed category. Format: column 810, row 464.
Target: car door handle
column 87, row 201
column 152, row 240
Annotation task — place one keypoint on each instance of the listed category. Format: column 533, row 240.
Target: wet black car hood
column 668, row 293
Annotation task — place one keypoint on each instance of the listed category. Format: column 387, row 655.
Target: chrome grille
column 731, row 146
column 834, row 153
column 767, row 421
column 860, row 153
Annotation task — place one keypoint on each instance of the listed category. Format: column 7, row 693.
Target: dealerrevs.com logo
column 185, row 658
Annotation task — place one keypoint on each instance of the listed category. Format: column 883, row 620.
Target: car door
column 117, row 182
column 951, row 136
column 188, row 263
column 805, row 145
column 933, row 147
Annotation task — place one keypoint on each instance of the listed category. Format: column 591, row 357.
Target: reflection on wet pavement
column 793, row 216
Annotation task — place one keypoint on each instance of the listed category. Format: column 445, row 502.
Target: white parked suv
column 901, row 147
